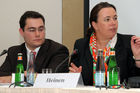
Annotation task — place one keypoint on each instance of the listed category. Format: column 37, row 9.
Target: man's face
column 34, row 33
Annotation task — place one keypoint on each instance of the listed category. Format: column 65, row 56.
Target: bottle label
column 22, row 77
column 19, row 57
column 18, row 78
column 99, row 79
column 112, row 78
column 112, row 52
column 107, row 78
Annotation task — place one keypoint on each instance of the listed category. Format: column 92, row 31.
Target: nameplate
column 58, row 80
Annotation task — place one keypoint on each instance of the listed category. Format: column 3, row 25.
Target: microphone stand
column 73, row 53
column 61, row 63
column 26, row 84
column 3, row 52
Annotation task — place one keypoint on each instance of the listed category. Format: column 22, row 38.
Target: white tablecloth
column 87, row 89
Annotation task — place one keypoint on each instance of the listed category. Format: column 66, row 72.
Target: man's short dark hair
column 29, row 14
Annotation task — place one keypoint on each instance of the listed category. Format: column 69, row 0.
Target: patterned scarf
column 93, row 48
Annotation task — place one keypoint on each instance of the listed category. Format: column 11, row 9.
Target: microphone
column 3, row 52
column 75, row 51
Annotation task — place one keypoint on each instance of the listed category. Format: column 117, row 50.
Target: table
column 87, row 89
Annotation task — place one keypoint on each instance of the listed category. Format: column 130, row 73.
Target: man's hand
column 75, row 69
column 5, row 79
column 8, row 79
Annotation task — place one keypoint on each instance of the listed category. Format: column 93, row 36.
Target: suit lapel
column 118, row 49
column 24, row 55
column 89, row 58
column 41, row 56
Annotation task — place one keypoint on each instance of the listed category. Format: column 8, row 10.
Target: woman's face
column 107, row 23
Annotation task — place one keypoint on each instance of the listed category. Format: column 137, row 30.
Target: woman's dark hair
column 29, row 14
column 94, row 15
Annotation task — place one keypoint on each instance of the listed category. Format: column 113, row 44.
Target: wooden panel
column 72, row 22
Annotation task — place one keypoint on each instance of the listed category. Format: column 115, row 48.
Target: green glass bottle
column 112, row 71
column 19, row 74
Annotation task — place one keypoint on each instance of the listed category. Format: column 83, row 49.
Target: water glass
column 46, row 70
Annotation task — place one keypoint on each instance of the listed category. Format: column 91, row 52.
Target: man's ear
column 21, row 31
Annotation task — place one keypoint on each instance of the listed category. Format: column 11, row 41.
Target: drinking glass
column 46, row 70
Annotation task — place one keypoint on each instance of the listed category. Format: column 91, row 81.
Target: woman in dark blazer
column 103, row 35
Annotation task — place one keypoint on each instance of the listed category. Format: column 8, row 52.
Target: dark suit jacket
column 50, row 55
column 123, row 56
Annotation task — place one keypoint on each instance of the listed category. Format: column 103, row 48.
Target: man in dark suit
column 49, row 54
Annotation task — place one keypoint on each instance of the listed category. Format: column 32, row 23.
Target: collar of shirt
column 112, row 42
column 28, row 52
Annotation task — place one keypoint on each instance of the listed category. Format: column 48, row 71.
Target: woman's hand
column 135, row 46
column 75, row 69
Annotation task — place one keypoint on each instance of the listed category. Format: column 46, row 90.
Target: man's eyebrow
column 107, row 17
column 41, row 26
column 116, row 15
column 31, row 28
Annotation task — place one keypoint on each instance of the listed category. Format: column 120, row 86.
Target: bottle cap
column 19, row 56
column 112, row 52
